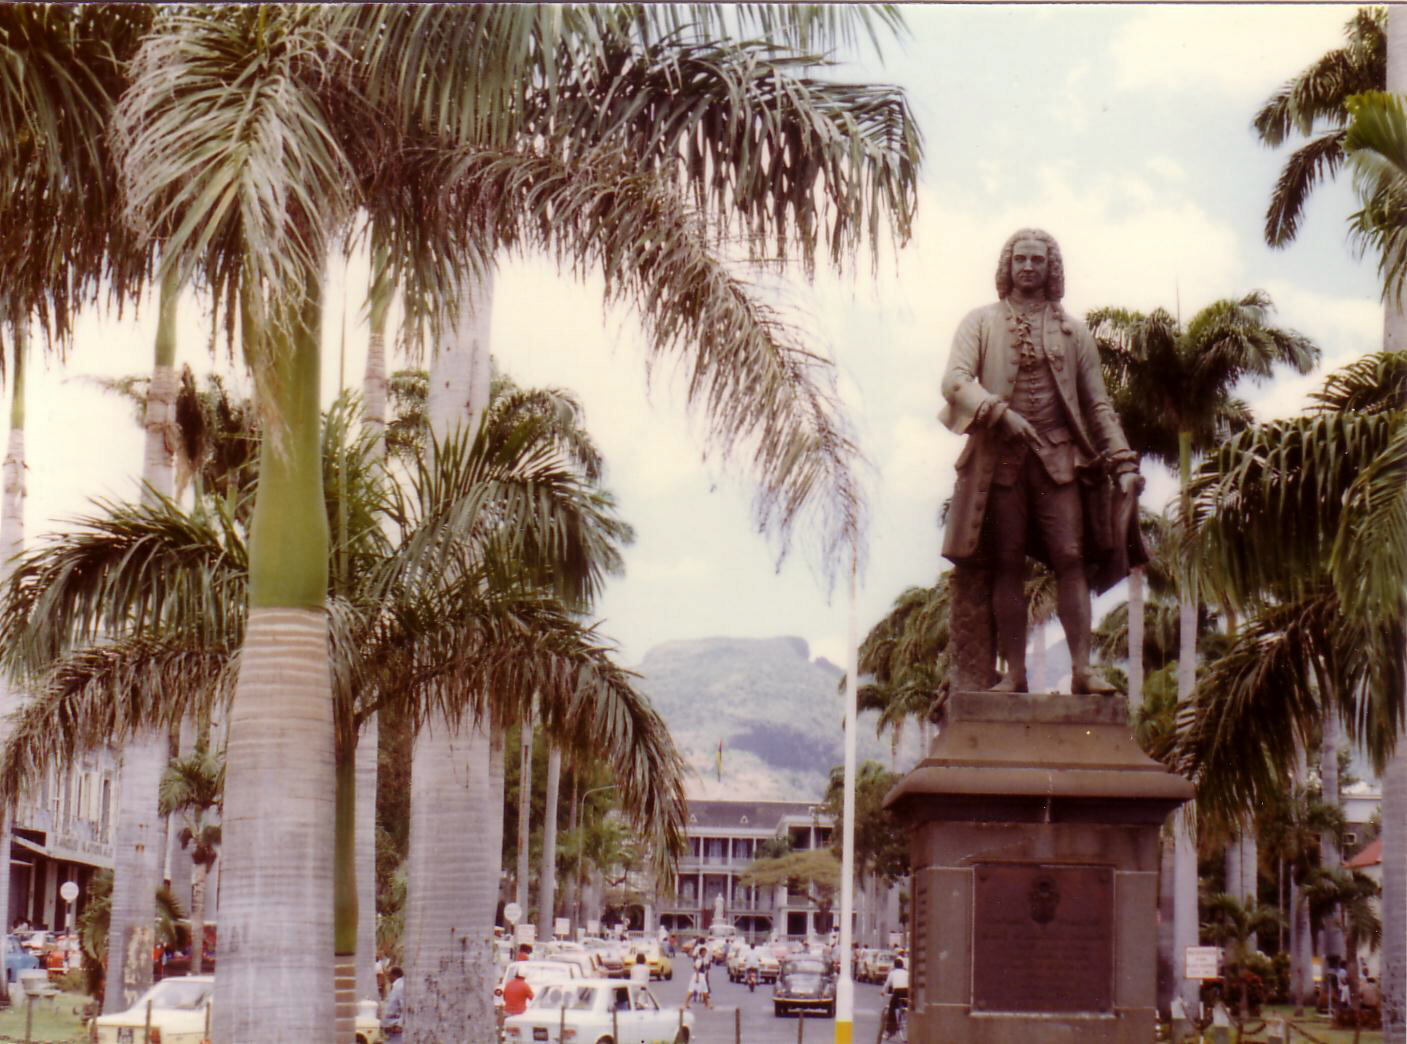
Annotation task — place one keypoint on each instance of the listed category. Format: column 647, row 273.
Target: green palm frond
column 243, row 90
column 1255, row 708
column 756, row 142
column 1375, row 383
column 1377, row 149
column 503, row 496
column 1308, row 166
column 1282, row 484
column 1165, row 378
column 135, row 569
column 103, row 693
column 1314, row 100
column 63, row 242
column 765, row 395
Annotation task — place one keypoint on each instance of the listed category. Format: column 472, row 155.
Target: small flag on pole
column 719, row 761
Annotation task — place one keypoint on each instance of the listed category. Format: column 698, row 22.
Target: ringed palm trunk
column 525, row 778
column 453, row 878
column 1135, row 640
column 139, row 847
column 1394, row 901
column 1394, row 904
column 11, row 544
column 200, row 882
column 547, row 876
column 368, row 741
column 498, row 743
column 1184, row 839
column 1331, row 936
column 276, row 907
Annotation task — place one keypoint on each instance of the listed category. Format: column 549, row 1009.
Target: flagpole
column 845, row 988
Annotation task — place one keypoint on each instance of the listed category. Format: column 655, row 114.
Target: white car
column 538, row 974
column 180, row 1014
column 598, row 1011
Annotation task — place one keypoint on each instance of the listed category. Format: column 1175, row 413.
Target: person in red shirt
column 516, row 995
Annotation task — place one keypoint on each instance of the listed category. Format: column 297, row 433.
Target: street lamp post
column 845, row 987
column 581, row 825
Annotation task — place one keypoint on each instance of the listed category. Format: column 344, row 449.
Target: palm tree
column 904, row 657
column 1315, row 105
column 1233, row 923
column 291, row 110
column 1394, row 79
column 1172, row 386
column 193, row 788
column 156, row 552
column 1376, row 146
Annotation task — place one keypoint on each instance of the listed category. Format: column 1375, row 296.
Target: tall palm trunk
column 547, row 876
column 1394, row 905
column 374, row 423
column 138, row 849
column 180, row 865
column 525, row 789
column 1136, row 611
column 453, row 879
column 11, row 544
column 1331, row 936
column 498, row 742
column 200, row 880
column 276, row 907
column 1184, row 840
column 572, row 901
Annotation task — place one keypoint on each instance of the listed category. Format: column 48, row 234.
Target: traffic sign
column 512, row 913
column 69, row 891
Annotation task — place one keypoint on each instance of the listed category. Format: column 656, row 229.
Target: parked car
column 804, row 983
column 597, row 1011
column 875, row 965
column 661, row 967
column 17, row 959
column 610, row 957
column 538, row 973
column 180, row 1014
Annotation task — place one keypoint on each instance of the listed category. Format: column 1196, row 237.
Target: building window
column 742, row 849
column 715, row 850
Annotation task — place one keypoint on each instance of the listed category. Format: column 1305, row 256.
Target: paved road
column 734, row 1007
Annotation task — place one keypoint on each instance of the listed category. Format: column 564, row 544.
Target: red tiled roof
column 1370, row 856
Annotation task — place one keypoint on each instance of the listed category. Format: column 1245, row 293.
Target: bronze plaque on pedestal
column 1043, row 938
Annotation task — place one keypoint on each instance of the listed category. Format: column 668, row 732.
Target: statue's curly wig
column 1055, row 272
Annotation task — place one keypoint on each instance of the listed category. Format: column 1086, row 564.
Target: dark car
column 804, row 983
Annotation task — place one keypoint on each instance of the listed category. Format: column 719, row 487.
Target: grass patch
column 58, row 1020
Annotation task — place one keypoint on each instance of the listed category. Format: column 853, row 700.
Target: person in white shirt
column 640, row 970
column 896, row 989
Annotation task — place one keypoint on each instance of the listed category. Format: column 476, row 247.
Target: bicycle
column 894, row 1024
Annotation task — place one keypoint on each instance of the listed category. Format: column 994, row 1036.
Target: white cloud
column 1229, row 47
column 1166, row 167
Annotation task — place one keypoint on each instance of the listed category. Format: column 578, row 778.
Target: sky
column 1123, row 130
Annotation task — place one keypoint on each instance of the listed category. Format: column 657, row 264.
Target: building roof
column 1372, row 855
column 751, row 815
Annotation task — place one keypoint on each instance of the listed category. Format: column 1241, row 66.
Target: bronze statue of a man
column 1024, row 384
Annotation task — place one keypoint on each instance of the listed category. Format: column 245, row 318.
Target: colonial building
column 62, row 832
column 723, row 840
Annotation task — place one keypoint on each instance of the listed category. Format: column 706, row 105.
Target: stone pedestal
column 1034, row 841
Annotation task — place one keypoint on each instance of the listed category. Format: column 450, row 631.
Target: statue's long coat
column 982, row 368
